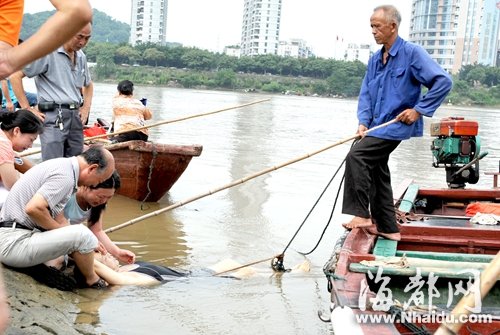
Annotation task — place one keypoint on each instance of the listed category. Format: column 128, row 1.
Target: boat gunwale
column 163, row 148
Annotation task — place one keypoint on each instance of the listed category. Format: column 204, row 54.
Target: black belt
column 68, row 106
column 10, row 224
column 47, row 106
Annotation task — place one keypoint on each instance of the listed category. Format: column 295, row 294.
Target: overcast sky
column 216, row 23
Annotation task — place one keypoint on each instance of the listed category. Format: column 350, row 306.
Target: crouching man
column 33, row 229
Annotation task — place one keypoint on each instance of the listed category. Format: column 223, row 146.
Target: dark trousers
column 367, row 186
column 131, row 136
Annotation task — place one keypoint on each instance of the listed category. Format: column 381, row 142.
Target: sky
column 215, row 24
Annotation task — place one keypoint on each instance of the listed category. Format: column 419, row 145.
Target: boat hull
column 148, row 170
column 446, row 233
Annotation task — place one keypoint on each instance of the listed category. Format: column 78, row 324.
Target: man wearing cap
column 65, row 93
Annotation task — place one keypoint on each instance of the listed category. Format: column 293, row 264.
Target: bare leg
column 85, row 263
column 229, row 267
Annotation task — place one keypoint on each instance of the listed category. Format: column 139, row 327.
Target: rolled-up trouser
column 22, row 248
column 367, row 186
column 66, row 142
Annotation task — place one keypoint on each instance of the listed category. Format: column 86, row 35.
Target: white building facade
column 296, row 48
column 260, row 27
column 148, row 22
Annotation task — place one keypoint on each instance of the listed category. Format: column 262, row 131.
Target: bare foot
column 390, row 236
column 358, row 222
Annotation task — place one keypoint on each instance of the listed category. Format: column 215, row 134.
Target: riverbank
column 36, row 309
column 228, row 80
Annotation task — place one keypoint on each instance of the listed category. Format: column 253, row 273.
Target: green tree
column 476, row 76
column 225, row 78
column 126, row 54
column 198, row 59
column 104, row 27
column 289, row 66
column 153, row 56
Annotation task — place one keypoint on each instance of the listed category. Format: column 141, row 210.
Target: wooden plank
column 407, row 202
column 400, row 189
column 412, row 271
column 413, row 262
column 449, row 256
column 385, row 247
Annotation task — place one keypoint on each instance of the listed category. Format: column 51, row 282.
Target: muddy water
column 249, row 222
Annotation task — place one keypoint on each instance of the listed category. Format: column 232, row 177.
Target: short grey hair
column 96, row 155
column 391, row 13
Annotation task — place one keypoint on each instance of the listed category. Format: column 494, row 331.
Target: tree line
column 192, row 67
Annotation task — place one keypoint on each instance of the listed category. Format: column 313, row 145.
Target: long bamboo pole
column 240, row 181
column 489, row 277
column 159, row 123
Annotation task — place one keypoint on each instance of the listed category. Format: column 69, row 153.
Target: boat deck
column 450, row 235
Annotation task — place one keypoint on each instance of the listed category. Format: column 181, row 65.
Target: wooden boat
column 438, row 241
column 148, row 170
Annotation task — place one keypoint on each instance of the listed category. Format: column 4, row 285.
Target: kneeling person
column 33, row 229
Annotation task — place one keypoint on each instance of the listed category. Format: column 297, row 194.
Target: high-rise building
column 261, row 27
column 457, row 32
column 148, row 21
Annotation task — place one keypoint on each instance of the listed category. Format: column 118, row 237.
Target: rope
column 329, row 219
column 314, row 206
column 154, row 154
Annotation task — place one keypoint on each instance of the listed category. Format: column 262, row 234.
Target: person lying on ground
column 19, row 131
column 144, row 273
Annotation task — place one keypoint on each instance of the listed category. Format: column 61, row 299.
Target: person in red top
column 70, row 17
column 18, row 132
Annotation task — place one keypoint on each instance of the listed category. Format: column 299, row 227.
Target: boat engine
column 456, row 148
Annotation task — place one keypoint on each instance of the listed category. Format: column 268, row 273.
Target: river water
column 252, row 221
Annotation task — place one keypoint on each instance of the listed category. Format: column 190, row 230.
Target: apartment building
column 148, row 21
column 260, row 27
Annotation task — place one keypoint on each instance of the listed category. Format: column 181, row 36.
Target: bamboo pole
column 489, row 277
column 240, row 181
column 159, row 123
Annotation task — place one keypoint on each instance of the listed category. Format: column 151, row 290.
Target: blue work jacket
column 389, row 89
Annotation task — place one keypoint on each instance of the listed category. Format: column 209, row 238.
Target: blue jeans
column 32, row 100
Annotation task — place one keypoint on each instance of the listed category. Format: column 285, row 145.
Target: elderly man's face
column 382, row 30
column 81, row 39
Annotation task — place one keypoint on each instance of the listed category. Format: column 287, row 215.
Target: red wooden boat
column 148, row 170
column 438, row 241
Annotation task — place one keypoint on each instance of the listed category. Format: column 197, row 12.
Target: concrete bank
column 36, row 309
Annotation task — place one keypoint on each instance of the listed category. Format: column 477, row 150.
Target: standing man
column 69, row 18
column 391, row 89
column 33, row 229
column 65, row 93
